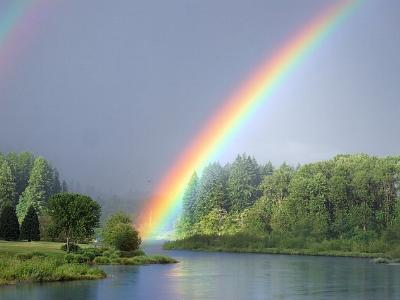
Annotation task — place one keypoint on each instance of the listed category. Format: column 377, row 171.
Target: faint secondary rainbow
column 17, row 21
column 166, row 199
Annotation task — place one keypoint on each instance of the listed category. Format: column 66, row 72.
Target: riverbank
column 337, row 248
column 45, row 262
column 19, row 263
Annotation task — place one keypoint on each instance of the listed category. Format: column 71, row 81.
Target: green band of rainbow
column 166, row 200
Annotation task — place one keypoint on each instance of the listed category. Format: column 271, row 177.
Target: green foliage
column 188, row 217
column 349, row 204
column 30, row 226
column 21, row 166
column 74, row 216
column 9, row 226
column 72, row 247
column 29, row 255
column 41, row 269
column 38, row 190
column 102, row 260
column 212, row 191
column 118, row 232
column 7, row 184
column 243, row 181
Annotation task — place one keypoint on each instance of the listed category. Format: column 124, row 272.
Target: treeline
column 350, row 197
column 26, row 183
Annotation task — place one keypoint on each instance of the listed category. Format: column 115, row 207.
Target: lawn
column 17, row 247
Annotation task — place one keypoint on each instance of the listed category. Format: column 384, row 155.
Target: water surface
column 201, row 275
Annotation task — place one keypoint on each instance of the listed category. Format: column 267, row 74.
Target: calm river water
column 201, row 275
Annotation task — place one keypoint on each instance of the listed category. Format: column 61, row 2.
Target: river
column 202, row 275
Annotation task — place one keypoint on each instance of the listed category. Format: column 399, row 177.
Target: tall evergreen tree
column 243, row 182
column 38, row 190
column 64, row 187
column 9, row 226
column 190, row 197
column 7, row 184
column 56, row 188
column 187, row 218
column 212, row 190
column 30, row 226
column 21, row 165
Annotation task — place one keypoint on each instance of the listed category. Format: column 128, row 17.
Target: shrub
column 69, row 258
column 101, row 260
column 119, row 233
column 133, row 253
column 72, row 248
column 89, row 255
column 395, row 253
column 75, row 258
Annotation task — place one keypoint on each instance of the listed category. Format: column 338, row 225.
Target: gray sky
column 112, row 91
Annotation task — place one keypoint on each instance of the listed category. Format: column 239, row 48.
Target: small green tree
column 30, row 226
column 119, row 232
column 74, row 217
column 9, row 226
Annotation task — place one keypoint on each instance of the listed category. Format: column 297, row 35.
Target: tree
column 212, row 191
column 7, row 184
column 9, row 226
column 187, row 218
column 30, row 226
column 74, row 217
column 243, row 181
column 118, row 232
column 21, row 165
column 56, row 187
column 64, row 186
column 276, row 186
column 38, row 190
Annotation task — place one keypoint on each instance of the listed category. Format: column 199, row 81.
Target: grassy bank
column 105, row 256
column 242, row 243
column 45, row 261
column 41, row 267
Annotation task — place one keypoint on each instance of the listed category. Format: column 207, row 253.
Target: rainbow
column 17, row 21
column 166, row 199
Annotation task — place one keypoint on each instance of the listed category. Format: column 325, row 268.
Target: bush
column 95, row 251
column 72, row 247
column 75, row 258
column 118, row 232
column 101, row 260
column 89, row 255
column 133, row 253
column 395, row 253
column 69, row 258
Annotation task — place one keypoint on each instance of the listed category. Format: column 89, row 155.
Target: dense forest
column 350, row 198
column 28, row 181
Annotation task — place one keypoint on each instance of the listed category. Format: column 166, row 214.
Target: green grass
column 45, row 261
column 49, row 248
column 40, row 262
column 15, row 269
column 243, row 243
